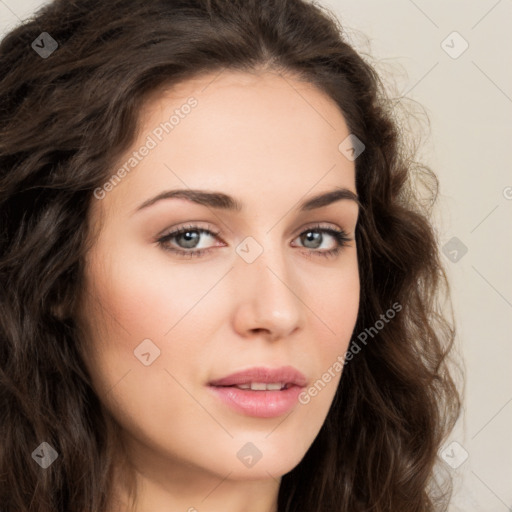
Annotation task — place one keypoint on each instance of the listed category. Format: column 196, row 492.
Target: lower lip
column 260, row 404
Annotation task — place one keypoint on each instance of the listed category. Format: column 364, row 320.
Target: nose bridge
column 267, row 289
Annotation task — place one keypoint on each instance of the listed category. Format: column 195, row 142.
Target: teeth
column 261, row 386
column 275, row 387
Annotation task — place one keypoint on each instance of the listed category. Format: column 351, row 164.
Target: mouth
column 260, row 392
column 260, row 386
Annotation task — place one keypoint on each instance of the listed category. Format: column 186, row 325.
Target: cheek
column 132, row 310
column 134, row 297
column 145, row 297
column 335, row 302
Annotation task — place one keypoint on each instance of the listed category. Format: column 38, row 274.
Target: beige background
column 467, row 96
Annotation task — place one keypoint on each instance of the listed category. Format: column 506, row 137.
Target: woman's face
column 163, row 321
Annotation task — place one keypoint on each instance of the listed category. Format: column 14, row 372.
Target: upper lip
column 284, row 374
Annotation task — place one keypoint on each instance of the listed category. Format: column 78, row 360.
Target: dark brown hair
column 65, row 119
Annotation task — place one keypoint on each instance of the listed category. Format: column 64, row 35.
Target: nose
column 267, row 297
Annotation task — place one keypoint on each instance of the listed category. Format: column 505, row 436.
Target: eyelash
column 340, row 236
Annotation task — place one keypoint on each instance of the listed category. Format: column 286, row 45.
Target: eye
column 314, row 236
column 185, row 241
column 187, row 238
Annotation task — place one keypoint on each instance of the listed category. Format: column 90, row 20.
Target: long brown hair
column 65, row 119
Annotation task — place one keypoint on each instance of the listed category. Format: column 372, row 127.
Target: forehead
column 252, row 135
column 232, row 106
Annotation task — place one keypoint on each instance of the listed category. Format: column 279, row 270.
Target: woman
column 220, row 291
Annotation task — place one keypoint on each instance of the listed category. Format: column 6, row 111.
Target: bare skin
column 270, row 146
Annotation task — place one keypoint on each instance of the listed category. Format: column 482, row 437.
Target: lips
column 265, row 392
column 286, row 375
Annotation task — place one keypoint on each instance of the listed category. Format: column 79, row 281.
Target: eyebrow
column 219, row 200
